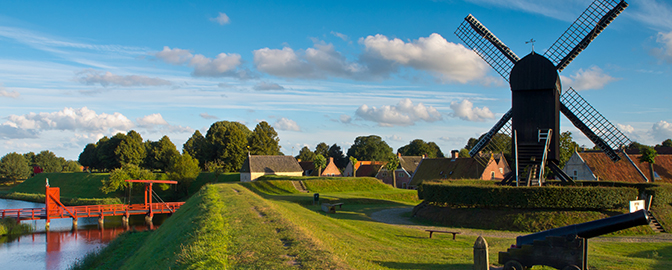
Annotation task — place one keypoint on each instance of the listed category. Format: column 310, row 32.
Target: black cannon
column 565, row 247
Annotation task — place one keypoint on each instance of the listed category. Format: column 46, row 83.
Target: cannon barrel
column 590, row 229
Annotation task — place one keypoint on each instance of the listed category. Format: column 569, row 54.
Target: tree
column 305, row 154
column 227, row 142
column 130, row 149
column 160, row 153
column 264, row 140
column 14, row 166
column 49, row 162
column 464, row 153
column 107, row 151
column 322, row 149
column 196, row 148
column 649, row 156
column 89, row 157
column 30, row 158
column 354, row 160
column 371, row 148
column 567, row 146
column 419, row 147
column 320, row 162
column 72, row 166
column 119, row 176
column 336, row 153
column 391, row 166
column 183, row 169
column 667, row 143
column 471, row 143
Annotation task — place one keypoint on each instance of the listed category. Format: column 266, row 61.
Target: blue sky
column 317, row 71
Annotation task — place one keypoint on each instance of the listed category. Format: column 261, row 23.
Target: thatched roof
column 270, row 164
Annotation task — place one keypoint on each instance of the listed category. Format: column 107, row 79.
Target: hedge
column 547, row 197
column 661, row 192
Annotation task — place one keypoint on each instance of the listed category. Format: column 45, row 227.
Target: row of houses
column 413, row 170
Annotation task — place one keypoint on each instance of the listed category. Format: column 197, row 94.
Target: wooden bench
column 331, row 208
column 437, row 231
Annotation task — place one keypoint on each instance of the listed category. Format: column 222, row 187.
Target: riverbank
column 9, row 226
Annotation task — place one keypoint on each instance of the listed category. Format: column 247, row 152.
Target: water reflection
column 60, row 247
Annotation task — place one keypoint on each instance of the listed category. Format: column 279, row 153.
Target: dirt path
column 394, row 216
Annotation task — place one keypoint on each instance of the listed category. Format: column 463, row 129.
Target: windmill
column 533, row 122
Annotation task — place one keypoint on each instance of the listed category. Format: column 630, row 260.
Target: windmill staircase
column 654, row 224
column 531, row 161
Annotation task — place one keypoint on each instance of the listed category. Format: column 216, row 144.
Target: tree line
column 15, row 166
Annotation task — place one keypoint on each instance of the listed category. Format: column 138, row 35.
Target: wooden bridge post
column 481, row 259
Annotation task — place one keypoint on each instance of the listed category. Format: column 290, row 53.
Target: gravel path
column 394, row 216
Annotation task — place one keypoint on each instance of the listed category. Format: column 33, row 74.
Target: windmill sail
column 487, row 137
column 595, row 126
column 586, row 28
column 487, row 46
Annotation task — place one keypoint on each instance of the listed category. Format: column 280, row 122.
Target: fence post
column 481, row 259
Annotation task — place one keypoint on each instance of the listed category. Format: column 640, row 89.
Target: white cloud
column 82, row 119
column 207, row 116
column 286, row 124
column 402, row 114
column 151, row 120
column 340, row 35
column 567, row 10
column 344, row 118
column 661, row 131
column 448, row 61
column 593, row 78
column 465, row 110
column 658, row 15
column 394, row 138
column 320, row 61
column 444, row 138
column 90, row 77
column 174, row 56
column 262, row 86
column 9, row 94
column 224, row 65
column 665, row 52
column 222, row 19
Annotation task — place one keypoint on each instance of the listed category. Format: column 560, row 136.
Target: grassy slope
column 72, row 185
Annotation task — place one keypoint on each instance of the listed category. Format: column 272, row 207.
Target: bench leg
column 430, row 234
column 454, row 236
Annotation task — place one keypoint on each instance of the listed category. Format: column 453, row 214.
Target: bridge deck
column 91, row 211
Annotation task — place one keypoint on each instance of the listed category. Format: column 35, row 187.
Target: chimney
column 455, row 154
column 331, row 160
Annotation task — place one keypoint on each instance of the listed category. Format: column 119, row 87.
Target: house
column 456, row 167
column 407, row 166
column 330, row 170
column 257, row 166
column 595, row 165
column 363, row 168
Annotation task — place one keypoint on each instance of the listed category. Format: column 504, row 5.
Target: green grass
column 275, row 187
column 72, row 185
column 8, row 226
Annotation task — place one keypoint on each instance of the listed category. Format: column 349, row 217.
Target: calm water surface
column 61, row 246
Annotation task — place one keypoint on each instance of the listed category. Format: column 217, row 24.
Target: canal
column 61, row 246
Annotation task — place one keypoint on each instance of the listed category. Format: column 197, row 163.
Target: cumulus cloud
column 405, row 113
column 90, row 77
column 5, row 93
column 448, row 61
column 465, row 110
column 262, row 86
column 286, row 124
column 344, row 118
column 207, row 116
column 320, row 61
column 394, row 138
column 224, row 65
column 665, row 51
column 82, row 119
column 222, row 19
column 593, row 78
column 661, row 131
column 151, row 120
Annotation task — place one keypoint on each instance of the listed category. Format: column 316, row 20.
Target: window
column 492, row 175
column 501, row 170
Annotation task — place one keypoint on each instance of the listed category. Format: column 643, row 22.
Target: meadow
column 270, row 225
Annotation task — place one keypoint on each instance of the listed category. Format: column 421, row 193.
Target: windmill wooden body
column 533, row 122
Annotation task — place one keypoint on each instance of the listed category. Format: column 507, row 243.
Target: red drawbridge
column 55, row 209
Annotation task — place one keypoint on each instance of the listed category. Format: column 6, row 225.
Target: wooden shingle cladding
column 591, row 165
column 457, row 168
column 257, row 166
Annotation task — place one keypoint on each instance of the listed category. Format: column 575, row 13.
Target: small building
column 257, row 166
column 595, row 165
column 457, row 168
column 330, row 170
column 363, row 168
column 404, row 173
